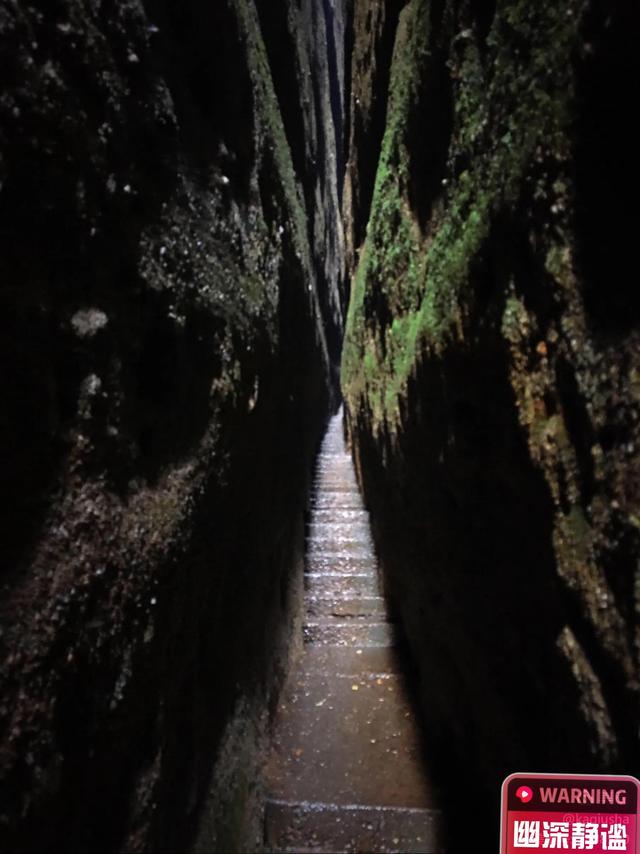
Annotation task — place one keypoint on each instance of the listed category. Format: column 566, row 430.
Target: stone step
column 334, row 464
column 346, row 770
column 333, row 483
column 323, row 827
column 338, row 486
column 341, row 583
column 342, row 500
column 320, row 529
column 339, row 545
column 341, row 738
column 340, row 562
column 336, row 475
column 349, row 661
column 340, row 516
column 349, row 606
column 348, row 633
column 339, row 530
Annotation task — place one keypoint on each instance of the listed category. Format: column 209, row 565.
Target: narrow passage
column 346, row 769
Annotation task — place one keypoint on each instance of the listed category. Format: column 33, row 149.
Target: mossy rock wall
column 166, row 349
column 491, row 376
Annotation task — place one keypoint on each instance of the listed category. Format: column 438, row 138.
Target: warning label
column 569, row 812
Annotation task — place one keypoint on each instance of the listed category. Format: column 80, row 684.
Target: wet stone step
column 346, row 770
column 337, row 484
column 349, row 661
column 341, row 584
column 336, row 476
column 348, row 739
column 364, row 606
column 302, row 826
column 344, row 545
column 335, row 517
column 340, row 516
column 320, row 529
column 340, row 562
column 341, row 531
column 348, row 633
column 341, row 478
column 336, row 456
column 337, row 501
column 341, row 468
column 335, row 467
column 346, row 490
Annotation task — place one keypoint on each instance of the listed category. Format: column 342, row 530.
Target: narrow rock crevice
column 219, row 222
column 347, row 770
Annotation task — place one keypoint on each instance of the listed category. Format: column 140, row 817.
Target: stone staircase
column 346, row 771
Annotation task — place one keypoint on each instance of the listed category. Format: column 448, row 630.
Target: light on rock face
column 88, row 321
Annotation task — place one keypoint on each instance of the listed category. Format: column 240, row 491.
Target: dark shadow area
column 367, row 126
column 148, row 604
column 349, row 45
column 484, row 12
column 311, row 133
column 607, row 219
column 199, row 52
column 429, row 129
column 335, row 95
column 465, row 542
column 82, row 214
column 281, row 50
column 176, row 369
column 463, row 523
column 579, row 427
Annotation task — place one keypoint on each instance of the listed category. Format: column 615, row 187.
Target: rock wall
column 169, row 324
column 370, row 36
column 306, row 47
column 491, row 372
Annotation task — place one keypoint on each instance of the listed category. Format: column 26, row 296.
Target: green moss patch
column 511, row 109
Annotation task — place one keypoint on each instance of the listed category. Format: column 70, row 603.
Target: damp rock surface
column 490, row 372
column 168, row 329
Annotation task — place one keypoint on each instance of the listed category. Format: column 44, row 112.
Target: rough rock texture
column 492, row 377
column 165, row 375
column 370, row 39
column 306, row 46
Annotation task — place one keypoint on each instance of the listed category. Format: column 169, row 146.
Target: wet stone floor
column 346, row 770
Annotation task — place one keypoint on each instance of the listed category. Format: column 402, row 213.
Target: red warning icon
column 524, row 793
